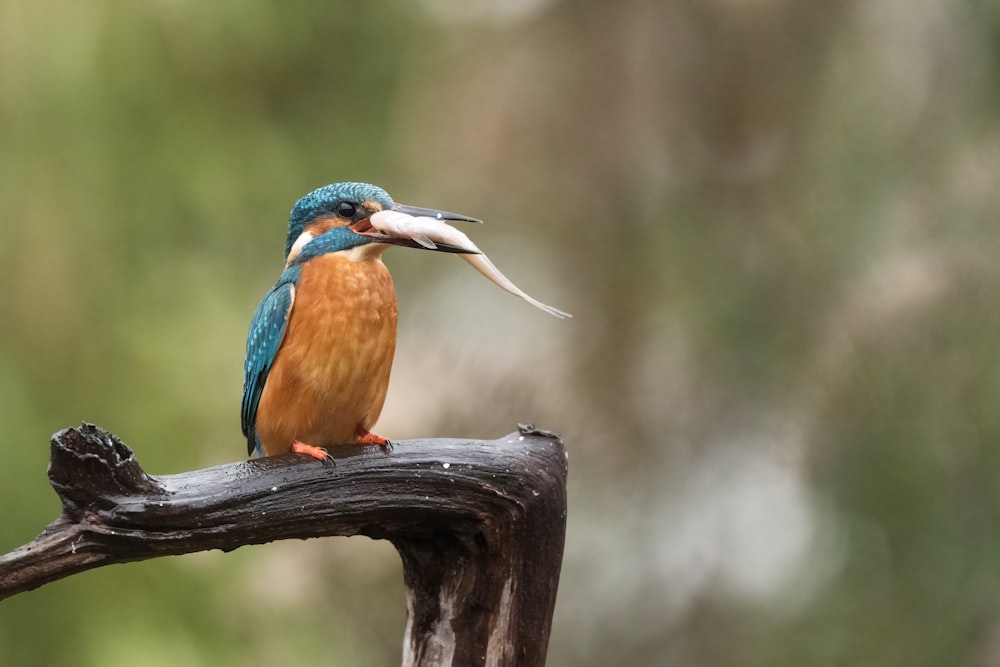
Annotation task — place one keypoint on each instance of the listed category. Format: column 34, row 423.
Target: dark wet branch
column 479, row 526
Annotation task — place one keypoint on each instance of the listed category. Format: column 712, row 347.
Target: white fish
column 427, row 231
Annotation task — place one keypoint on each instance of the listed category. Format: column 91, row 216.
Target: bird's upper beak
column 432, row 213
column 365, row 228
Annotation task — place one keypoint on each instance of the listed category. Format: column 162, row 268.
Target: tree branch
column 479, row 526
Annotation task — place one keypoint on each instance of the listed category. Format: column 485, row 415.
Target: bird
column 320, row 345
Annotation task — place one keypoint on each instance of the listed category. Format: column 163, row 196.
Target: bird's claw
column 372, row 439
column 318, row 453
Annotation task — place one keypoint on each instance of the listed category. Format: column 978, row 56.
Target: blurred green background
column 775, row 221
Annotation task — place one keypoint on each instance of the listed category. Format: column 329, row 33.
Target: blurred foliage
column 775, row 222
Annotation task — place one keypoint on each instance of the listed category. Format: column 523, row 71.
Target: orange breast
column 331, row 373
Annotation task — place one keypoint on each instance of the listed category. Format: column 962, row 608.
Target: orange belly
column 331, row 373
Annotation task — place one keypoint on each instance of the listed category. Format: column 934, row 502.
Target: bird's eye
column 346, row 209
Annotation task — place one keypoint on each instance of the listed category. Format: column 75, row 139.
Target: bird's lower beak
column 365, row 228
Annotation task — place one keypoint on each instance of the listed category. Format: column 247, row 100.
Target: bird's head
column 337, row 217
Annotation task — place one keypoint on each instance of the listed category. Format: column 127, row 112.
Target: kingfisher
column 321, row 342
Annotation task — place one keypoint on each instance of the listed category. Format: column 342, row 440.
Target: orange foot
column 372, row 439
column 313, row 451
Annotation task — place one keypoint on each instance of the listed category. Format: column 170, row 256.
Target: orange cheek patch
column 320, row 225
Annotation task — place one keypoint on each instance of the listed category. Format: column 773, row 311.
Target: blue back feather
column 267, row 328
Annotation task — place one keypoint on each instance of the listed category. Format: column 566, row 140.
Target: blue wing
column 266, row 332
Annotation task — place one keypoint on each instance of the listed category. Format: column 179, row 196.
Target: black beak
column 410, row 243
column 432, row 213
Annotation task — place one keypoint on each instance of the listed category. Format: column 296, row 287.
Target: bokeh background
column 775, row 221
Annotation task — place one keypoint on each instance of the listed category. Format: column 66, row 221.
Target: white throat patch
column 300, row 243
